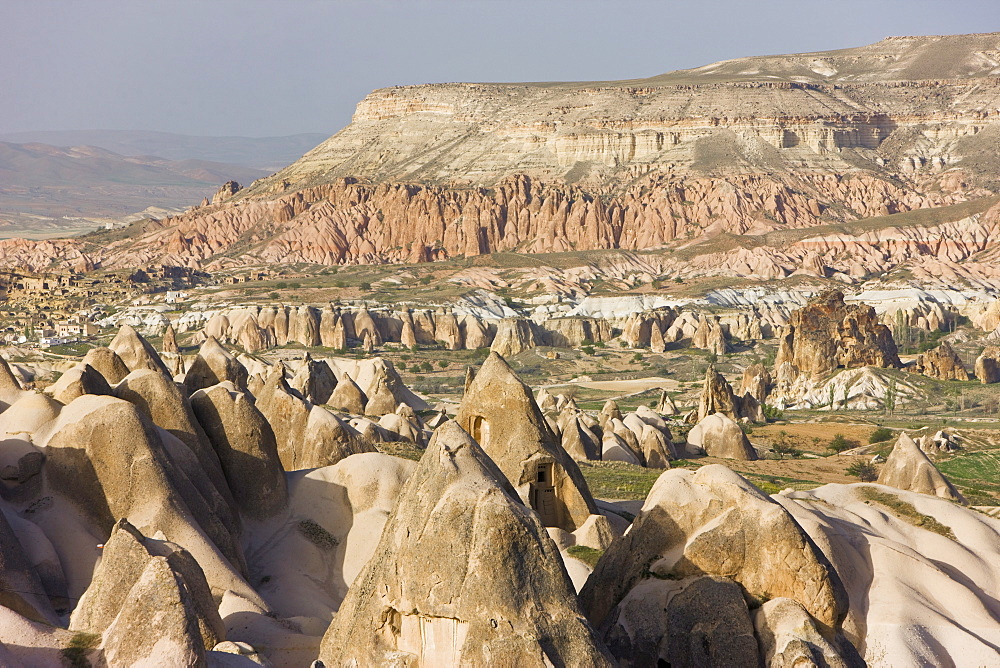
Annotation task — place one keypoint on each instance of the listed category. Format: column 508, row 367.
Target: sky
column 279, row 67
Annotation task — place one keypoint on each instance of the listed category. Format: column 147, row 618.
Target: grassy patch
column 587, row 555
column 976, row 474
column 618, row 480
column 403, row 449
column 317, row 535
column 906, row 512
column 75, row 653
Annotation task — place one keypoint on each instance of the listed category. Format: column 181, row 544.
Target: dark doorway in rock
column 543, row 495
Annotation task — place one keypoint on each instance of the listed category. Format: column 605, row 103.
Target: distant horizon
column 259, row 69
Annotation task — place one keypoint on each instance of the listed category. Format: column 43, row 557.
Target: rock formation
column 684, row 532
column 246, row 447
column 500, row 413
column 513, row 337
column 458, row 563
column 988, row 365
column 942, row 363
column 716, row 396
column 719, row 436
column 827, row 333
column 214, row 364
column 907, row 467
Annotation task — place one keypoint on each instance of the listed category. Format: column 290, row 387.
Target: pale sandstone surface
column 481, row 559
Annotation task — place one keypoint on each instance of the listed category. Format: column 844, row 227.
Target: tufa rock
column 907, row 467
column 458, row 564
column 719, row 436
column 500, row 413
column 942, row 363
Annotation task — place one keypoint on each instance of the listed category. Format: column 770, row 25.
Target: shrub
column 425, row 280
column 443, row 364
column 772, row 414
column 863, row 471
column 839, row 443
column 879, row 435
column 294, row 286
column 637, row 357
column 366, row 287
column 588, row 350
column 281, row 285
column 782, row 450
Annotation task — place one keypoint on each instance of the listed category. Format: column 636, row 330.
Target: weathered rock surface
column 907, row 467
column 134, row 351
column 988, row 365
column 214, row 364
column 719, row 436
column 500, row 413
column 687, row 527
column 942, row 363
column 716, row 396
column 917, row 590
column 513, row 337
column 827, row 333
column 126, row 558
column 478, row 559
column 789, row 638
column 246, row 447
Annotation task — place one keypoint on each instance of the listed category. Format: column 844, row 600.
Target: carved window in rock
column 480, row 430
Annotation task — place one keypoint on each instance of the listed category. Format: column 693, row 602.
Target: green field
column 976, row 474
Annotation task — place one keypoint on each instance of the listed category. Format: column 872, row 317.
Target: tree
column 863, row 471
column 839, row 443
column 890, row 396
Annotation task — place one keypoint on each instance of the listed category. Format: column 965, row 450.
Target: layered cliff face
column 744, row 147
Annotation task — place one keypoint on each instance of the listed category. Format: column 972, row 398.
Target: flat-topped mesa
column 585, row 132
column 827, row 333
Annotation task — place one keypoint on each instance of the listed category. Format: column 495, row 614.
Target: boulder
column 690, row 525
column 719, row 436
column 500, row 413
column 246, row 447
column 942, row 363
column 907, row 467
column 988, row 365
column 134, row 351
column 108, row 364
column 214, row 364
column 458, row 564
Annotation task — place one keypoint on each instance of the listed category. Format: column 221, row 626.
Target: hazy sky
column 278, row 67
